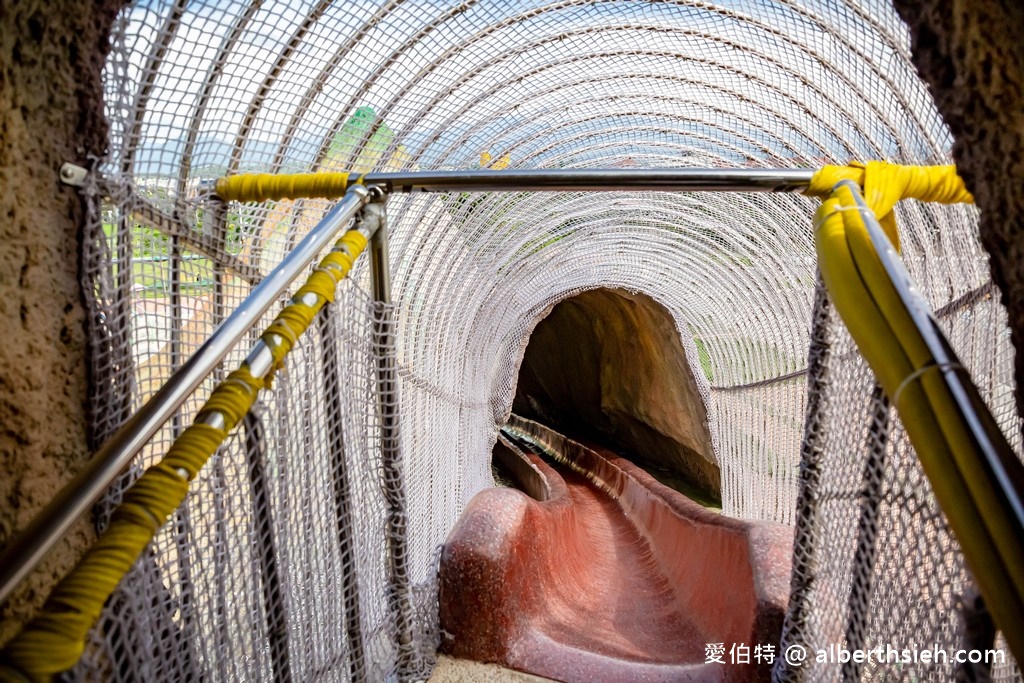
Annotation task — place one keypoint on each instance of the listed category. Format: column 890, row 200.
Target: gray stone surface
column 451, row 670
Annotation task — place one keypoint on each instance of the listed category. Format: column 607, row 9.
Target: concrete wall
column 51, row 53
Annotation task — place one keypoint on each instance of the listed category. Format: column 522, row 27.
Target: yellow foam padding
column 54, row 640
column 980, row 481
column 884, row 184
column 887, row 337
column 261, row 187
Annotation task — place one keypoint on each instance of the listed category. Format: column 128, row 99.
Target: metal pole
column 597, row 179
column 185, row 634
column 583, row 180
column 218, row 230
column 391, row 454
column 26, row 551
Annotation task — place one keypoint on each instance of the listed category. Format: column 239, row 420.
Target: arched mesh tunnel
column 196, row 90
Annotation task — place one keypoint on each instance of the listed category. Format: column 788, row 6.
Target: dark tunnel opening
column 608, row 366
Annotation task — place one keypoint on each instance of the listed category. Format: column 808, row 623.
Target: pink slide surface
column 607, row 575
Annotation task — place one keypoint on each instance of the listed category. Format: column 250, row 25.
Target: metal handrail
column 596, row 179
column 323, row 185
column 28, row 548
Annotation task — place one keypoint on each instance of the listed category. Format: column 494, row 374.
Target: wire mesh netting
column 277, row 565
column 874, row 560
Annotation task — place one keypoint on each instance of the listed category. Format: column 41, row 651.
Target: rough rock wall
column 971, row 53
column 610, row 361
column 51, row 111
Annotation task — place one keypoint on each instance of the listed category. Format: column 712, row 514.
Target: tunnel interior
column 608, row 366
column 197, row 91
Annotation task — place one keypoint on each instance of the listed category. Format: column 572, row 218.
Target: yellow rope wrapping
column 261, row 187
column 884, row 184
column 53, row 641
column 890, row 342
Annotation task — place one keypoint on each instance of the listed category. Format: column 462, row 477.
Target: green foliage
column 148, row 243
column 358, row 130
column 151, row 252
column 703, row 357
column 151, row 249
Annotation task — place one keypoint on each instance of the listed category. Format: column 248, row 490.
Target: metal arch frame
column 700, row 144
column 481, row 67
column 658, row 152
column 745, row 282
column 679, row 113
column 690, row 239
column 829, row 29
column 265, row 545
column 177, row 237
column 493, row 203
column 283, row 57
column 673, row 55
column 576, row 206
column 132, row 135
column 328, row 70
column 751, row 286
column 655, row 151
column 564, row 85
column 565, row 293
column 324, row 76
column 213, row 74
column 138, row 112
column 858, row 9
column 538, row 136
column 429, row 69
column 126, row 214
column 748, row 20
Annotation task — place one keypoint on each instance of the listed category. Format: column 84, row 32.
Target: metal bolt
column 71, row 174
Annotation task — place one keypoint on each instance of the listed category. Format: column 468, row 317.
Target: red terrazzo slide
column 614, row 577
